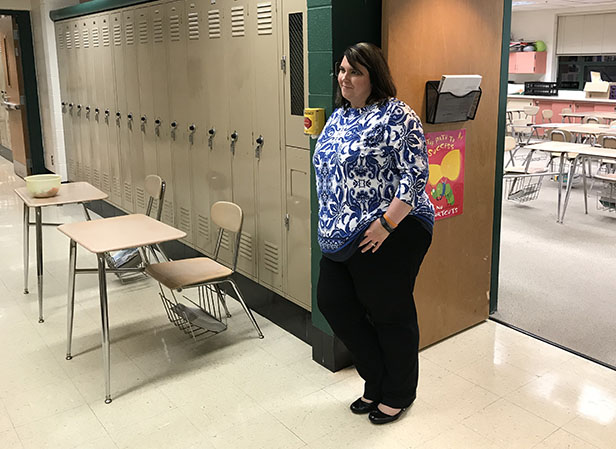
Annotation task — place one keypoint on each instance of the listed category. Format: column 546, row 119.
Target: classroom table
column 100, row 237
column 70, row 193
column 606, row 115
column 591, row 129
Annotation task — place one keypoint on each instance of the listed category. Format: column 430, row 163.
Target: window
column 574, row 71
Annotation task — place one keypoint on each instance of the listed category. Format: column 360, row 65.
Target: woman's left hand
column 374, row 237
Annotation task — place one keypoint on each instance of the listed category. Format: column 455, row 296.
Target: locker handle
column 210, row 139
column 233, row 140
column 192, row 128
column 234, row 136
column 118, row 115
column 78, row 106
column 88, row 108
column 259, row 147
column 129, row 116
column 97, row 110
column 63, row 104
column 143, row 119
column 212, row 132
column 174, row 125
column 157, row 122
column 70, row 105
column 107, row 112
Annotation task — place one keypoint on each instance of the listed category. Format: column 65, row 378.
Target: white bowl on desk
column 43, row 186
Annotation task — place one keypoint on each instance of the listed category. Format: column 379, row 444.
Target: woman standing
column 375, row 227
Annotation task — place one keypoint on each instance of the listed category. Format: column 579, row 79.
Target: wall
column 541, row 25
column 24, row 5
column 423, row 40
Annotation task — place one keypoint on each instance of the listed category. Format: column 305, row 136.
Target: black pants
column 368, row 302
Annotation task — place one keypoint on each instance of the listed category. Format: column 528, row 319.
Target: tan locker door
column 238, row 67
column 100, row 133
column 76, row 97
column 297, row 260
column 198, row 150
column 110, row 108
column 266, row 125
column 179, row 98
column 294, row 21
column 145, row 121
column 133, row 108
column 119, row 61
column 90, row 38
column 63, row 73
column 217, row 111
column 84, row 100
column 161, row 107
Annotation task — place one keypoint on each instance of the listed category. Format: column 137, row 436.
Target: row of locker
column 209, row 97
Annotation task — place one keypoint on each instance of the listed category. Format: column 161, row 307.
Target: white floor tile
column 562, row 439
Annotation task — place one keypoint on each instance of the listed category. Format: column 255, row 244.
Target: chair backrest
column 520, row 125
column 547, row 115
column 509, row 143
column 155, row 188
column 560, row 135
column 566, row 111
column 592, row 119
column 607, row 140
column 613, row 124
column 228, row 217
column 531, row 110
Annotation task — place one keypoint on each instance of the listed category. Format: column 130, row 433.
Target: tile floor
column 488, row 387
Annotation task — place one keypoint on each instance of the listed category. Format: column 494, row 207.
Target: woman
column 375, row 227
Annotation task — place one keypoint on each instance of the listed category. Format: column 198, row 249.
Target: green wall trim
column 500, row 156
column 91, row 7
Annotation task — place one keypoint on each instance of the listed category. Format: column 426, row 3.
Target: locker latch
column 174, row 126
column 287, row 220
column 144, row 119
column 283, row 64
column 259, row 147
column 234, row 137
column 191, row 133
column 210, row 139
column 118, row 116
column 157, row 127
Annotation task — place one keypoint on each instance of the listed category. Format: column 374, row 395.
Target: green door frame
column 500, row 155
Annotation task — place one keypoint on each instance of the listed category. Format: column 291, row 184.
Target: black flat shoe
column 378, row 417
column 360, row 407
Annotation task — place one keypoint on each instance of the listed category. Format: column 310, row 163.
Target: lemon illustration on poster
column 445, row 185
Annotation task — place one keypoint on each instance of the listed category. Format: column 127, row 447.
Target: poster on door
column 445, row 185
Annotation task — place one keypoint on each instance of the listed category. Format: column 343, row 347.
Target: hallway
column 488, row 387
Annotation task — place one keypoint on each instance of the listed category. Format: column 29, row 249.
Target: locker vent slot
column 95, row 40
column 264, row 18
column 213, row 21
column 271, row 257
column 76, row 39
column 184, row 219
column 117, row 34
column 86, row 173
column 237, row 21
column 61, row 43
column 140, row 193
column 85, row 39
column 143, row 31
column 296, row 63
column 128, row 192
column 193, row 25
column 224, row 242
column 203, row 226
column 174, row 28
column 168, row 211
column 129, row 31
column 158, row 29
column 69, row 43
column 246, row 246
column 117, row 191
column 105, row 31
column 96, row 177
column 105, row 182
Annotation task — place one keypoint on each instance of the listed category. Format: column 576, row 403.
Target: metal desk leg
column 70, row 304
column 39, row 260
column 560, row 184
column 569, row 184
column 584, row 182
column 26, row 246
column 102, row 287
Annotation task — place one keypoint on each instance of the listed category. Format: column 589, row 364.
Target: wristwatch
column 385, row 224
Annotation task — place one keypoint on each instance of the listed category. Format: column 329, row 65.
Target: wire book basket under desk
column 522, row 188
column 445, row 107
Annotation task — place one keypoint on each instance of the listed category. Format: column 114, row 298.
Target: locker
column 267, row 156
column 218, row 173
column 64, row 44
column 109, row 110
column 133, row 116
column 179, row 97
column 238, row 68
column 83, row 100
column 100, row 131
column 91, row 42
column 146, row 92
column 75, row 91
column 197, row 118
column 161, row 107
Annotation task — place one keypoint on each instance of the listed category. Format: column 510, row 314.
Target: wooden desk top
column 599, row 114
column 588, row 128
column 568, row 147
column 72, row 192
column 116, row 233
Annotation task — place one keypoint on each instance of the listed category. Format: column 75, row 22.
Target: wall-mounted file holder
column 445, row 107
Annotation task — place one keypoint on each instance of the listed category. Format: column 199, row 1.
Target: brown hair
column 371, row 57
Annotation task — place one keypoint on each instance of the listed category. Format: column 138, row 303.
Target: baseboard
column 6, row 153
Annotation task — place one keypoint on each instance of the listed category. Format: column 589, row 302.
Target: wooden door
column 14, row 97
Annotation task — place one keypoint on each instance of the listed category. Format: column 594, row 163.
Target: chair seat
column 186, row 272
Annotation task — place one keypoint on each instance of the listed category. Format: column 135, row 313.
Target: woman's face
column 354, row 83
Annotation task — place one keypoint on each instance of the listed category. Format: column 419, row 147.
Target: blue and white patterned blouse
column 363, row 159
